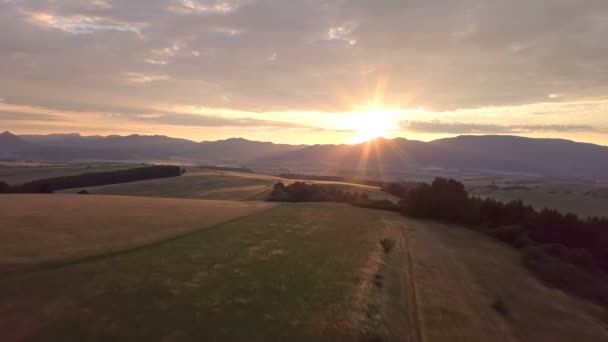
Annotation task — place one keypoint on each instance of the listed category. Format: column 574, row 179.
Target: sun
column 371, row 124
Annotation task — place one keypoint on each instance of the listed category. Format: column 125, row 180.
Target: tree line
column 50, row 185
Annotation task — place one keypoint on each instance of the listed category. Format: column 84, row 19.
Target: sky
column 305, row 71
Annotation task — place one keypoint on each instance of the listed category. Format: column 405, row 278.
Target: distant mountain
column 73, row 147
column 11, row 143
column 238, row 150
column 543, row 157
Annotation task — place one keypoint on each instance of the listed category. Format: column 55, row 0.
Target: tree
column 4, row 188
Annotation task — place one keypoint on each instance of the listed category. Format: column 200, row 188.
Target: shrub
column 508, row 234
column 378, row 280
column 4, row 188
column 387, row 244
column 500, row 307
column 83, row 192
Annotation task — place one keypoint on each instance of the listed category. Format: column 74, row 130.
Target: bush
column 508, row 234
column 4, row 188
column 500, row 307
column 387, row 244
column 83, row 192
column 378, row 204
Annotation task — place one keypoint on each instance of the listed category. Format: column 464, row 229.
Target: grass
column 216, row 185
column 23, row 173
column 285, row 273
column 458, row 274
column 37, row 229
column 207, row 185
column 296, row 271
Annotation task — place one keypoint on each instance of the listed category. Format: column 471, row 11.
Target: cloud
column 198, row 120
column 306, row 56
column 19, row 116
column 470, row 128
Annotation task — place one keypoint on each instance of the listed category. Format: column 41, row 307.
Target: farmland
column 216, row 185
column 37, row 229
column 581, row 199
column 201, row 257
column 294, row 271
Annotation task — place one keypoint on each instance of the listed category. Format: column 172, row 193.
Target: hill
column 75, row 147
column 294, row 272
column 541, row 157
column 379, row 157
column 11, row 143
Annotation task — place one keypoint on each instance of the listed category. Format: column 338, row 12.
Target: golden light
column 371, row 124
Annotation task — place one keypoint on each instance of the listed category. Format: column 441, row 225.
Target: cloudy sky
column 305, row 71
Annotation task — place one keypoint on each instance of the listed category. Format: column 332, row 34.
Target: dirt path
column 440, row 283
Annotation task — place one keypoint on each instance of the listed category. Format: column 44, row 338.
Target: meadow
column 293, row 271
column 201, row 257
column 39, row 229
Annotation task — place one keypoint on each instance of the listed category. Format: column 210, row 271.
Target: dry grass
column 458, row 274
column 287, row 273
column 42, row 228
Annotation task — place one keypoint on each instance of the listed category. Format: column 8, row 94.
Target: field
column 200, row 257
column 285, row 272
column 18, row 173
column 37, row 229
column 294, row 271
column 456, row 276
column 581, row 199
column 216, row 185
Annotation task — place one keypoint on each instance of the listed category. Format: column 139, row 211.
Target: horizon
column 325, row 73
column 295, row 143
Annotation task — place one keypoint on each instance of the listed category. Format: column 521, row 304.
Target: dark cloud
column 468, row 128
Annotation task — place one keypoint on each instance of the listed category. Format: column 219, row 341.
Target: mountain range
column 543, row 157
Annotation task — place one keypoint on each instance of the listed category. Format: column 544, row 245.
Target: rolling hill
column 542, row 157
column 506, row 154
column 75, row 147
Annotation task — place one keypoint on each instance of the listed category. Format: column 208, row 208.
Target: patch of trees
column 302, row 192
column 398, row 189
column 563, row 249
column 93, row 179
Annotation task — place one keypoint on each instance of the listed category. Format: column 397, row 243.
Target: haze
column 305, row 71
